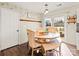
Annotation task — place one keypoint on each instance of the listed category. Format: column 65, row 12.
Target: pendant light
column 46, row 9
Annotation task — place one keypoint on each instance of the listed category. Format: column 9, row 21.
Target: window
column 58, row 21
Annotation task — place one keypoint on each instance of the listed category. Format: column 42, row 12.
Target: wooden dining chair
column 52, row 30
column 32, row 43
column 52, row 47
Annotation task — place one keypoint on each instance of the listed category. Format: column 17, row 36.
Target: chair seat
column 50, row 46
column 35, row 45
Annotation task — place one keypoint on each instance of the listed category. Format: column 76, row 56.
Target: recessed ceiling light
column 46, row 4
column 59, row 5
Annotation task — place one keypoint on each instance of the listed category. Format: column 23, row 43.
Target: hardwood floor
column 73, row 50
column 0, row 53
column 22, row 50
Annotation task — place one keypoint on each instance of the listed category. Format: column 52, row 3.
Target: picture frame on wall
column 48, row 23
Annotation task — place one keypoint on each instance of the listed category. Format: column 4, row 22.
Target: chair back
column 52, row 29
column 30, row 34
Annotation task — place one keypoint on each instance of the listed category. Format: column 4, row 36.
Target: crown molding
column 11, row 6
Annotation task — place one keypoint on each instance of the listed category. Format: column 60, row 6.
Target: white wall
column 28, row 25
column 70, row 33
column 70, row 29
column 23, row 27
column 32, row 15
column 9, row 25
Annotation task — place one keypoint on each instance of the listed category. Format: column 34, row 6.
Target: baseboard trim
column 14, row 46
column 18, row 45
column 69, row 44
column 23, row 43
column 9, row 48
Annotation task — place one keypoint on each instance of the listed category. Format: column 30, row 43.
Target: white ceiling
column 38, row 7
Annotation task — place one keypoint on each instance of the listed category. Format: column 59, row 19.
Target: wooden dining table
column 49, row 41
column 46, row 38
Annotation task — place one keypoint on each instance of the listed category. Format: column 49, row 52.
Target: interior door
column 9, row 28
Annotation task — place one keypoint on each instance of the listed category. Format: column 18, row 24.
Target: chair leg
column 29, row 48
column 45, row 53
column 60, row 50
column 57, row 53
column 32, row 52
